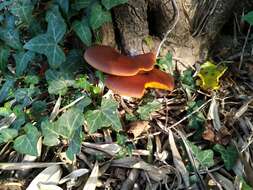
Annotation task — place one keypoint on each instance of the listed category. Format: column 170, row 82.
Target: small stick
column 244, row 47
column 169, row 31
column 189, row 115
column 71, row 104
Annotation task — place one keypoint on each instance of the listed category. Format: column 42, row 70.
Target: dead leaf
column 48, row 187
column 155, row 173
column 138, row 127
column 24, row 166
column 56, row 109
column 73, row 175
column 92, row 181
column 112, row 148
column 213, row 114
column 177, row 159
column 50, row 175
column 208, row 135
column 223, row 181
column 243, row 109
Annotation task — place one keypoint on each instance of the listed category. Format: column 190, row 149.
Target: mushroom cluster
column 128, row 75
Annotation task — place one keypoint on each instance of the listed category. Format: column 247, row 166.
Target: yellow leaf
column 210, row 74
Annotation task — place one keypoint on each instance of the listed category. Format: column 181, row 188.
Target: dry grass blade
column 92, row 181
column 177, row 159
column 50, row 175
column 71, row 104
column 56, row 109
column 25, row 166
column 73, row 175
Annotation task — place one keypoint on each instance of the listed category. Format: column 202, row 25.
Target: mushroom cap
column 108, row 60
column 134, row 86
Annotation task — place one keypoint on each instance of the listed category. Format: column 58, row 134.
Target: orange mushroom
column 108, row 60
column 134, row 86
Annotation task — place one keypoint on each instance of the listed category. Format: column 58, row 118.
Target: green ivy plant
column 39, row 62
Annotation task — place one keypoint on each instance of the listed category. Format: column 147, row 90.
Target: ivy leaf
column 112, row 3
column 24, row 95
column 7, row 86
column 64, row 5
column 21, row 117
column 69, row 122
column 165, row 63
column 4, row 54
column 248, row 17
column 56, row 26
column 50, row 136
column 80, row 4
column 9, row 34
column 5, row 111
column 23, row 10
column 74, row 62
column 75, row 144
column 204, row 157
column 145, row 110
column 187, row 80
column 38, row 110
column 22, row 59
column 229, row 155
column 197, row 120
column 210, row 74
column 83, row 31
column 5, row 4
column 46, row 45
column 58, row 82
column 106, row 116
column 27, row 143
column 98, row 16
column 8, row 134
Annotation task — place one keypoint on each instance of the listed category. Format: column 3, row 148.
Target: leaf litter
column 196, row 136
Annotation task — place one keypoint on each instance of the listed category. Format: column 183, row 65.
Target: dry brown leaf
column 209, row 135
column 138, row 127
column 9, row 185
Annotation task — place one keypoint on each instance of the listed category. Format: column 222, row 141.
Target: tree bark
column 140, row 25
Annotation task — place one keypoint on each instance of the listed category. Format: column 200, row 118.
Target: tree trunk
column 140, row 25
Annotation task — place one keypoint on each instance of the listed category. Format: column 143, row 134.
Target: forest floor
column 199, row 136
